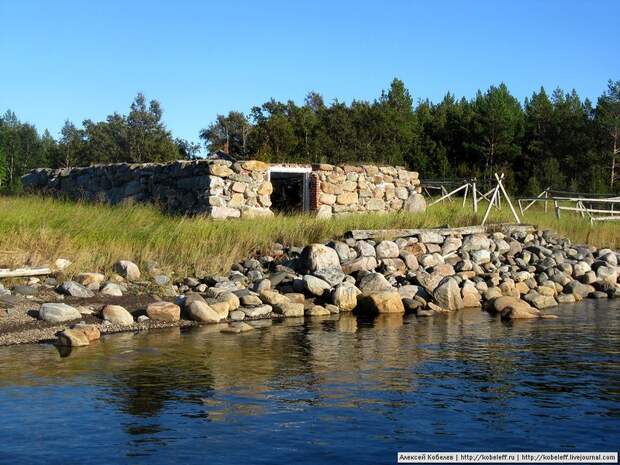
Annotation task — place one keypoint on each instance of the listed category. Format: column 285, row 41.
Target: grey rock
column 237, row 315
column 387, row 249
column 364, row 249
column 481, row 256
column 448, row 295
column 112, row 289
column 607, row 273
column 431, row 237
column 343, row 250
column 345, row 296
column 250, row 300
column 26, row 290
column 332, row 275
column 360, row 264
column 415, row 203
column 540, row 301
column 161, row 280
column 475, row 242
column 58, row 313
column 116, row 314
column 315, row 285
column 374, row 282
column 451, row 244
column 127, row 270
column 257, row 312
column 289, row 309
column 75, row 290
column 318, row 256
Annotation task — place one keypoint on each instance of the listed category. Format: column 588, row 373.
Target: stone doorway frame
column 303, row 170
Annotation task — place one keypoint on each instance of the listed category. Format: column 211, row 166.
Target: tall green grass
column 37, row 230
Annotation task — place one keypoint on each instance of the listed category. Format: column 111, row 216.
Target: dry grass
column 36, row 230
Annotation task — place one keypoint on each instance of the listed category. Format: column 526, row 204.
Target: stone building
column 233, row 189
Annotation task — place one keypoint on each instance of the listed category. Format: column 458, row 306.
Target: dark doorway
column 290, row 191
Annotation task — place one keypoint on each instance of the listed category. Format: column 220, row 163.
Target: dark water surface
column 332, row 390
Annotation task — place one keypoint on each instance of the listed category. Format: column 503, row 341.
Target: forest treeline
column 557, row 139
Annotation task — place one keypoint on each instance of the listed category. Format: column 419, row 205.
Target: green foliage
column 94, row 236
column 608, row 117
column 533, row 187
column 555, row 140
column 139, row 137
column 497, row 126
column 228, row 133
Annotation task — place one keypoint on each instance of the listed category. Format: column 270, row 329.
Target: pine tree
column 3, row 170
column 608, row 116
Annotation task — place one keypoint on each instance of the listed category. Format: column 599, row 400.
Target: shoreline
column 515, row 271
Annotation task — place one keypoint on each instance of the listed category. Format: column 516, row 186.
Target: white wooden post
column 499, row 183
column 474, row 196
column 465, row 196
column 448, row 194
column 486, row 215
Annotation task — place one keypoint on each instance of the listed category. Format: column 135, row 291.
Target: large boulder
column 289, row 309
column 273, row 298
column 471, row 295
column 429, row 281
column 382, row 302
column 518, row 311
column 231, row 299
column 92, row 332
column 474, row 242
column 448, row 295
column 127, row 270
column 72, row 338
column 374, row 282
column 257, row 312
column 316, row 285
column 202, row 312
column 318, row 256
column 58, row 313
column 359, row 264
column 112, row 289
column 91, row 280
column 539, row 301
column 575, row 287
column 317, row 310
column 415, row 203
column 387, row 249
column 498, row 304
column 480, row 257
column 163, row 311
column 332, row 275
column 607, row 274
column 450, row 245
column 580, row 268
column 75, row 290
column 116, row 314
column 345, row 296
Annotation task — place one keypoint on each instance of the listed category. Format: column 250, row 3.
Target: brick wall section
column 315, row 191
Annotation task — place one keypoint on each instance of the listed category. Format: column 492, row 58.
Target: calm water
column 323, row 390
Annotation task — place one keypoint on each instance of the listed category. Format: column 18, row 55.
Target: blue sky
column 77, row 60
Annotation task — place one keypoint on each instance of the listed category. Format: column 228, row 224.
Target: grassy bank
column 37, row 230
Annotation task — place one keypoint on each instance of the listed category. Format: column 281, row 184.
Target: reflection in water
column 320, row 389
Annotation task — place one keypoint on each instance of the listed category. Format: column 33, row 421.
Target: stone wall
column 223, row 189
column 368, row 188
column 218, row 188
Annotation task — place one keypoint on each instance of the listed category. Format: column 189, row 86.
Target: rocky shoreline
column 515, row 271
